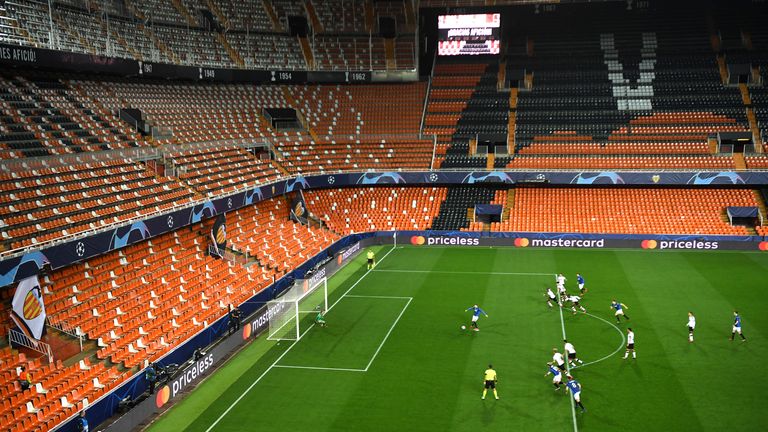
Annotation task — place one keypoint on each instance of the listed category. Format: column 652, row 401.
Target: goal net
column 296, row 309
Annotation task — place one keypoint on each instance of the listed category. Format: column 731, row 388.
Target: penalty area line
column 388, row 333
column 379, row 297
column 319, row 368
column 253, row 384
column 461, row 272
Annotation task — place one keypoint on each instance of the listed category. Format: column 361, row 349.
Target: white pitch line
column 463, row 272
column 388, row 333
column 232, row 405
column 378, row 297
column 319, row 368
column 567, row 367
column 623, row 341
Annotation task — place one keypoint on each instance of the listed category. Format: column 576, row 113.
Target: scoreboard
column 475, row 34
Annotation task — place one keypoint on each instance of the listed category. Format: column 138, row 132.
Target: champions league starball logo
column 298, row 183
column 726, row 177
column 491, row 177
column 251, row 195
column 381, row 178
column 30, row 263
column 124, row 236
column 605, row 177
column 202, row 211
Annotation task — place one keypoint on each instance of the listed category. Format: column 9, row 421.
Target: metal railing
column 48, row 162
column 20, row 339
column 68, row 329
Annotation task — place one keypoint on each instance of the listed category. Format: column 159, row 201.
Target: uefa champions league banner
column 14, row 269
column 578, row 241
column 544, row 177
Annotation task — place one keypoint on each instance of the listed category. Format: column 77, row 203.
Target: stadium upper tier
column 250, row 34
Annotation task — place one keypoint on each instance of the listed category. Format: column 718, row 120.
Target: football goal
column 296, row 309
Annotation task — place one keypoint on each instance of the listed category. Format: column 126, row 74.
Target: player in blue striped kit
column 476, row 311
column 737, row 326
column 557, row 376
column 580, row 281
column 619, row 308
column 575, row 388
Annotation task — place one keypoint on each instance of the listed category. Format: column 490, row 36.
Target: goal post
column 296, row 308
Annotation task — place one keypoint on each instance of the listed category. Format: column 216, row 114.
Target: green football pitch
column 394, row 358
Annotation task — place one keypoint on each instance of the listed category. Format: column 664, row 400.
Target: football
column 463, row 327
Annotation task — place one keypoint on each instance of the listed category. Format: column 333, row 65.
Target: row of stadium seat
column 615, row 148
column 217, row 170
column 599, row 210
column 141, row 301
column 577, row 162
column 57, row 391
column 348, row 211
column 361, row 110
column 41, row 205
column 39, row 115
column 263, row 231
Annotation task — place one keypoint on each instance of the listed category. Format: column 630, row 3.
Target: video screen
column 477, row 34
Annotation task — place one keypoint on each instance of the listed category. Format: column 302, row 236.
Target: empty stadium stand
column 265, row 233
column 464, row 102
column 534, row 209
column 219, row 112
column 144, row 300
column 649, row 85
column 238, row 34
column 354, row 210
column 45, row 115
column 626, row 210
column 59, row 391
column 221, row 169
column 388, row 109
column 46, row 204
column 458, row 203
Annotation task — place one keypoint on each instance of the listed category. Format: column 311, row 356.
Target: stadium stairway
column 761, row 197
column 454, row 209
column 486, row 112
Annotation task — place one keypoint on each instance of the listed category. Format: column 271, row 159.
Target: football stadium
column 383, row 215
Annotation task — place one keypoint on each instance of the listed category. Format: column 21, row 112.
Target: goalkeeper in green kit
column 320, row 318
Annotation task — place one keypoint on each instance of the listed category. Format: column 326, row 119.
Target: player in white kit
column 630, row 343
column 571, row 352
column 691, row 326
column 557, row 357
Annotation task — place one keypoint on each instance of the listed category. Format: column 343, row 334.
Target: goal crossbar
column 305, row 297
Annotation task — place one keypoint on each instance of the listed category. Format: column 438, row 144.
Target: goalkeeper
column 371, row 261
column 320, row 318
